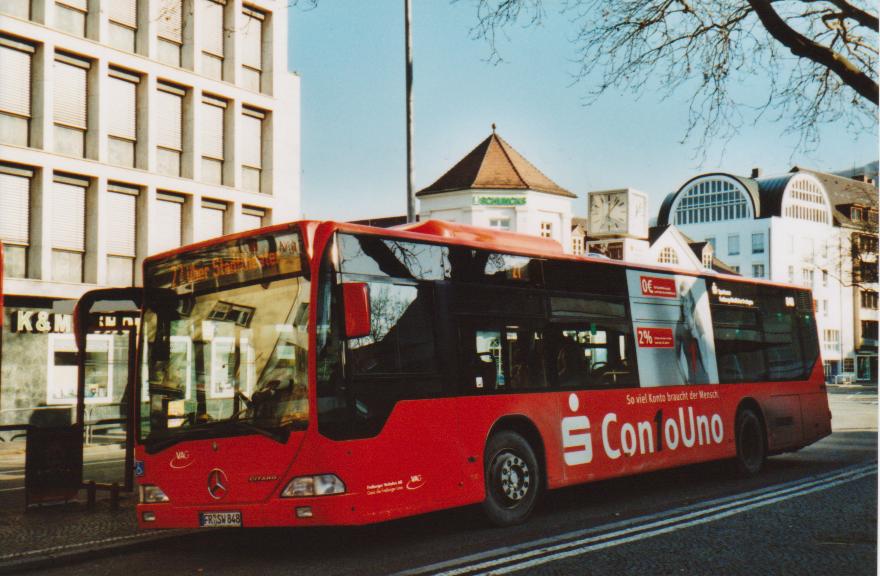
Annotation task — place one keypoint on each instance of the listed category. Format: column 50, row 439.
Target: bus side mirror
column 356, row 299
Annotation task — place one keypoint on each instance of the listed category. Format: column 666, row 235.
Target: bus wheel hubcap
column 514, row 478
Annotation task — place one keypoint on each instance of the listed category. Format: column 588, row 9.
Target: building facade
column 494, row 186
column 807, row 228
column 128, row 127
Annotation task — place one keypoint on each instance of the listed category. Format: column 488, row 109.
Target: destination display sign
column 237, row 262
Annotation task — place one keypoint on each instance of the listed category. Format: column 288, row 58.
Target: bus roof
column 452, row 233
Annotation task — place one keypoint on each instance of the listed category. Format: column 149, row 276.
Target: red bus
column 333, row 374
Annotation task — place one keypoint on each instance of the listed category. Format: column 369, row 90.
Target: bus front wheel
column 751, row 447
column 512, row 479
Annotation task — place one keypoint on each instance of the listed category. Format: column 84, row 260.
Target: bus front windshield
column 225, row 342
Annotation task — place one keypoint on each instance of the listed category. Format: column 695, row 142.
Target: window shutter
column 123, row 120
column 121, row 209
column 15, row 89
column 170, row 25
column 252, row 138
column 70, row 95
column 212, row 219
column 170, row 124
column 123, row 12
column 212, row 27
column 212, row 129
column 252, row 40
column 15, row 193
column 169, row 212
column 252, row 218
column 68, row 216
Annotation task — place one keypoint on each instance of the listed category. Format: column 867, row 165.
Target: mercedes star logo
column 217, row 483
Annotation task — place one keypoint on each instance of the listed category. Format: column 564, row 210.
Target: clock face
column 608, row 213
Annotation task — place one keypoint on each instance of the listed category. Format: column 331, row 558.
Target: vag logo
column 181, row 459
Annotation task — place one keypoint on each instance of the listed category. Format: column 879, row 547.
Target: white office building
column 129, row 127
column 797, row 228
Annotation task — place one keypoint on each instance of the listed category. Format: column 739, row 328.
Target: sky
column 349, row 55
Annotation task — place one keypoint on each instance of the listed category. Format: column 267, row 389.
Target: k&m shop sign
column 46, row 322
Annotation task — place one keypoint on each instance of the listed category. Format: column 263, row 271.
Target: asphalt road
column 811, row 512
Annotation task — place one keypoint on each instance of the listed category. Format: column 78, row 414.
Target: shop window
column 62, row 381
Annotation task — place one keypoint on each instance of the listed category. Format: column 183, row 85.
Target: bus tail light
column 150, row 494
column 318, row 485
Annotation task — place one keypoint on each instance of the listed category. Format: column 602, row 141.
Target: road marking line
column 111, row 540
column 673, row 528
column 11, row 489
column 667, row 520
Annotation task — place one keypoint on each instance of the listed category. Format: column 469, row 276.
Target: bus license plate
column 219, row 519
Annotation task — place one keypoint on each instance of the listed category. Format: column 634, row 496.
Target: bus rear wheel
column 513, row 479
column 751, row 446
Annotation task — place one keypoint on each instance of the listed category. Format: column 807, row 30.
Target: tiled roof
column 494, row 165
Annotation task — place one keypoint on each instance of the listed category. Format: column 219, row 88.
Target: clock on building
column 618, row 213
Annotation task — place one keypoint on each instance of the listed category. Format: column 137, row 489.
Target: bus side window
column 596, row 355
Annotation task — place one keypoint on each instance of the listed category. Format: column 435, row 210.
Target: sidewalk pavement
column 49, row 535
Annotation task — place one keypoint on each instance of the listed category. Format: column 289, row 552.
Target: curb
column 50, row 557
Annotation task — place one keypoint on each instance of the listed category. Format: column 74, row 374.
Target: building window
column 252, row 152
column 849, row 365
column 791, row 274
column 18, row 8
column 825, row 308
column 121, row 207
column 735, row 269
column 806, row 201
column 707, row 257
column 668, row 256
column 499, row 223
column 169, row 211
column 122, row 117
column 213, row 115
column 15, row 193
column 252, row 49
column 15, row 91
column 758, row 243
column 869, row 330
column 831, row 340
column 252, row 217
column 733, row 245
column 757, row 270
column 170, row 31
column 213, row 217
column 824, row 277
column 70, row 16
column 711, row 201
column 213, row 33
column 68, row 228
column 807, row 276
column 122, row 24
column 711, row 240
column 61, row 387
column 546, row 229
column 169, row 129
column 577, row 245
column 70, row 108
column 869, row 299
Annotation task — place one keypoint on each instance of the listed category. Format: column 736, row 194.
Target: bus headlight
column 318, row 485
column 149, row 494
